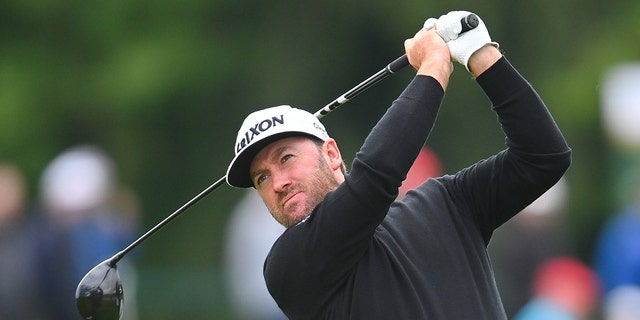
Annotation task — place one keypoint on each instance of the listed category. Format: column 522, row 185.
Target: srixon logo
column 257, row 129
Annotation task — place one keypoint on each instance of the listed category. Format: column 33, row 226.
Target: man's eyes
column 261, row 178
column 286, row 157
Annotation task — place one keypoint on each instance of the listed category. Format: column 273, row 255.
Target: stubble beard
column 316, row 188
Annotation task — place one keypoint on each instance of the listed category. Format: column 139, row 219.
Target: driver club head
column 99, row 295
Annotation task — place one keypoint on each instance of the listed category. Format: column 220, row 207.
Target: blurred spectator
column 622, row 303
column 19, row 297
column 620, row 104
column 81, row 227
column 563, row 289
column 529, row 239
column 617, row 252
column 250, row 234
column 252, row 231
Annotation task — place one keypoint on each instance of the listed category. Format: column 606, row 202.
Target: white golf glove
column 461, row 46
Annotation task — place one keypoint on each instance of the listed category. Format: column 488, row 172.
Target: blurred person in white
column 251, row 232
column 19, row 294
column 622, row 303
column 616, row 255
column 82, row 226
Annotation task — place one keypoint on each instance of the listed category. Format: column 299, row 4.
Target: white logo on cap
column 319, row 127
column 257, row 129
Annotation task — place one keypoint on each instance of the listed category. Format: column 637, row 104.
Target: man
column 350, row 251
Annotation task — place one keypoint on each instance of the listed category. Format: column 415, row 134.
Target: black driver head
column 99, row 295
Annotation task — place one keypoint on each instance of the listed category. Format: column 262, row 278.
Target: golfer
column 350, row 250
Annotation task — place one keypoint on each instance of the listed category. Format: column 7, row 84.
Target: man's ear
column 332, row 152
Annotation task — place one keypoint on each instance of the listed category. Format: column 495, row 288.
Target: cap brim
column 238, row 172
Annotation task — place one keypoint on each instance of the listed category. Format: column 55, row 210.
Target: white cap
column 263, row 127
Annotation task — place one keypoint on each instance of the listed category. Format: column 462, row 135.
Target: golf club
column 468, row 23
column 99, row 295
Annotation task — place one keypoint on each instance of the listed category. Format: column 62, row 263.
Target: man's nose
column 281, row 181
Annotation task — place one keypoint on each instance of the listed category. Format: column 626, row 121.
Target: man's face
column 293, row 175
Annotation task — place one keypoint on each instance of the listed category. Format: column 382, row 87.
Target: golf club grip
column 469, row 22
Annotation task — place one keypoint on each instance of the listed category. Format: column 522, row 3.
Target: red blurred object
column 569, row 283
column 427, row 165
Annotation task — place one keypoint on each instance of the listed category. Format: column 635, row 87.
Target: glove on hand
column 461, row 46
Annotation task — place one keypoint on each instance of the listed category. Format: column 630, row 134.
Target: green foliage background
column 164, row 85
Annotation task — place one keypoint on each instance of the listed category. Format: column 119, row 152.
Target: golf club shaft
column 468, row 23
column 396, row 65
column 166, row 220
column 391, row 68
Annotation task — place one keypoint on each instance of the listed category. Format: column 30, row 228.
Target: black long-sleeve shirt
column 362, row 255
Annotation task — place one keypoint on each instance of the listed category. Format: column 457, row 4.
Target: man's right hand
column 428, row 53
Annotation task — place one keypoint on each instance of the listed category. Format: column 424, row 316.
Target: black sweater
column 362, row 255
